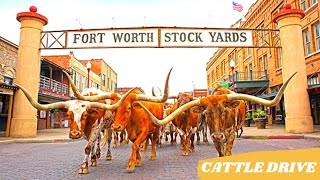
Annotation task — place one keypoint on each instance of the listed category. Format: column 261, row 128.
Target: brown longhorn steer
column 221, row 124
column 133, row 118
column 186, row 123
column 86, row 119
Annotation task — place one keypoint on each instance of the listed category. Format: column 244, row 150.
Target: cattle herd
column 97, row 115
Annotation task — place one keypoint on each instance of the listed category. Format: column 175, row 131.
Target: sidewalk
column 271, row 132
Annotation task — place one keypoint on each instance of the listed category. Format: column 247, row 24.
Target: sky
column 136, row 67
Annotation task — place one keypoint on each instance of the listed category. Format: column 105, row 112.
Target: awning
column 268, row 95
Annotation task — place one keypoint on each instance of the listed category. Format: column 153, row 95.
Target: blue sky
column 135, row 67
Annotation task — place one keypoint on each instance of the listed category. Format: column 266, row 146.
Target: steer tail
column 104, row 139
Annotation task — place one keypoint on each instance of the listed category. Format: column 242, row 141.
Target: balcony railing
column 247, row 76
column 56, row 87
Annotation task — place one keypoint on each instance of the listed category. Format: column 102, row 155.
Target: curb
column 38, row 141
column 273, row 137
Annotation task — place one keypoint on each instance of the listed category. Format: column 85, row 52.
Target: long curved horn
column 261, row 100
column 86, row 98
column 173, row 115
column 154, row 94
column 160, row 99
column 36, row 105
column 113, row 106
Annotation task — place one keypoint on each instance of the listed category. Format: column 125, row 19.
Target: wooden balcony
column 50, row 87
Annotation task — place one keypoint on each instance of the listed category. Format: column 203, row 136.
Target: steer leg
column 204, row 133
column 98, row 150
column 191, row 140
column 230, row 140
column 198, row 136
column 136, row 147
column 154, row 138
column 109, row 156
column 84, row 166
column 93, row 161
column 115, row 139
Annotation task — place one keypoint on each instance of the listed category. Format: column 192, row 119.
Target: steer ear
column 92, row 112
column 198, row 109
column 232, row 103
column 136, row 104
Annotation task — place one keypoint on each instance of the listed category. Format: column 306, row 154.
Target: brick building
column 8, row 60
column 108, row 77
column 258, row 71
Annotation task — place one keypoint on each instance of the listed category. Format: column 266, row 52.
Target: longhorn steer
column 221, row 124
column 86, row 119
column 202, row 128
column 186, row 123
column 132, row 117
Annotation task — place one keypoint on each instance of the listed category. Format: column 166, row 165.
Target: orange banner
column 293, row 164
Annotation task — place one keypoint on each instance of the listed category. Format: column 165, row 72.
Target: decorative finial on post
column 33, row 9
column 287, row 5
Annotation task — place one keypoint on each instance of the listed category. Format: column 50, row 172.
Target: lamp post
column 232, row 65
column 88, row 68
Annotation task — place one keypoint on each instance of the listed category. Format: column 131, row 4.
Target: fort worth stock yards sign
column 147, row 38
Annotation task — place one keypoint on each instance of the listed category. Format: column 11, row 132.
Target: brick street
column 62, row 160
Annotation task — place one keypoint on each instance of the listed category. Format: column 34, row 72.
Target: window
column 261, row 64
column 306, row 38
column 313, row 80
column 84, row 82
column 303, row 5
column 261, row 35
column 222, row 68
column 103, row 79
column 279, row 60
column 8, row 77
column 312, row 2
column 265, row 62
column 317, row 35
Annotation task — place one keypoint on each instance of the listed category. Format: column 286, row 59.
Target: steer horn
column 139, row 97
column 203, row 102
column 65, row 104
column 76, row 92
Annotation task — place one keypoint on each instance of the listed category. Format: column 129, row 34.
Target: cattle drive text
column 157, row 37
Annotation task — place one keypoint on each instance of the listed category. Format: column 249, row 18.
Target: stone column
column 297, row 105
column 24, row 120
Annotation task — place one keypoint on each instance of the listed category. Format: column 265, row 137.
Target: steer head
column 123, row 113
column 81, row 114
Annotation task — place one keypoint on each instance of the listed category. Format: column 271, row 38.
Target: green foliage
column 259, row 113
column 249, row 115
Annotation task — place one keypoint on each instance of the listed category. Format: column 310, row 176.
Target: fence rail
column 53, row 85
column 248, row 76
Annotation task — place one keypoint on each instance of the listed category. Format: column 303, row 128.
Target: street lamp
column 88, row 68
column 232, row 65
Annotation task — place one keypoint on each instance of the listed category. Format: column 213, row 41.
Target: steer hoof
column 198, row 142
column 83, row 169
column 130, row 169
column 207, row 143
column 185, row 153
column 93, row 162
column 108, row 157
column 114, row 145
column 139, row 164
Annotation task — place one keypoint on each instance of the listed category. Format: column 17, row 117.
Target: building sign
column 148, row 38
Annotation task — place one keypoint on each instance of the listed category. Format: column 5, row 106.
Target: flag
column 237, row 6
